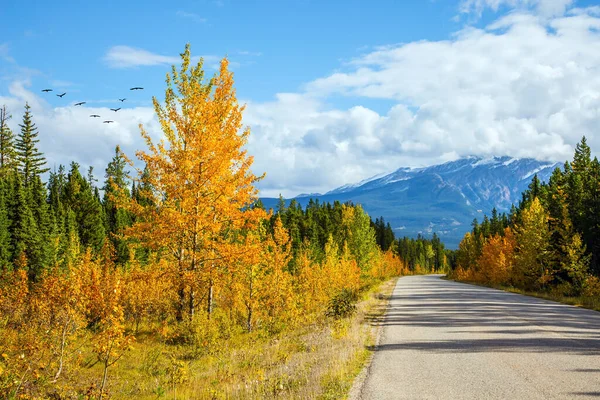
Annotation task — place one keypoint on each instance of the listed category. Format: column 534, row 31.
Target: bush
column 343, row 304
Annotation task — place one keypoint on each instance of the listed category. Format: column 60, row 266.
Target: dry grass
column 319, row 361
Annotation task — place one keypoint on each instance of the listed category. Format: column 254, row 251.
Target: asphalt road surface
column 447, row 340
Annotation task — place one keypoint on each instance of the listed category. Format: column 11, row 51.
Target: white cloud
column 524, row 86
column 69, row 133
column 127, row 57
column 194, row 17
column 131, row 57
column 547, row 8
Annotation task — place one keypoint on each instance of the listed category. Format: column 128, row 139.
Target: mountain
column 442, row 198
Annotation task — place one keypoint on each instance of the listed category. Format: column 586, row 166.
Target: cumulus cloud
column 524, row 85
column 69, row 134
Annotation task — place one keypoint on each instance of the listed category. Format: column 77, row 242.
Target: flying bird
column 47, row 90
column 80, row 103
column 122, row 100
column 61, row 95
column 136, row 88
column 115, row 109
column 108, row 122
column 95, row 116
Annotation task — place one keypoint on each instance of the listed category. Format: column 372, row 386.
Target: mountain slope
column 442, row 198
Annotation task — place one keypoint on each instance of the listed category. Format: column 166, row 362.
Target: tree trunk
column 209, row 300
column 104, row 378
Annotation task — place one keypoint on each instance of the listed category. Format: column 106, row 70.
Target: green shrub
column 343, row 304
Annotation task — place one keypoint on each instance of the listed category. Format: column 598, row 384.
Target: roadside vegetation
column 172, row 281
column 548, row 246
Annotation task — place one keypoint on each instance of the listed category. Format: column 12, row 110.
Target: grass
column 317, row 361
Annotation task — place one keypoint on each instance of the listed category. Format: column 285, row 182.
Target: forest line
column 181, row 250
column 549, row 243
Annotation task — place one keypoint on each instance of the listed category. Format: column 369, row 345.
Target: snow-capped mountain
column 442, row 198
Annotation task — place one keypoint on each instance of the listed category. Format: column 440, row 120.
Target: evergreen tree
column 117, row 218
column 89, row 214
column 5, row 239
column 30, row 160
column 7, row 144
column 46, row 235
column 25, row 240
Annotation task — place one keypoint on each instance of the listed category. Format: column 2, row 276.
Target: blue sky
column 337, row 91
column 275, row 46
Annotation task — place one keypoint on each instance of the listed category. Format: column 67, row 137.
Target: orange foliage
column 497, row 259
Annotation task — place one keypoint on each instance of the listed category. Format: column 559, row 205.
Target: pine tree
column 24, row 231
column 117, row 218
column 80, row 197
column 5, row 239
column 7, row 145
column 30, row 160
column 46, row 237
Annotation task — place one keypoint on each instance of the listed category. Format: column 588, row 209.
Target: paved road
column 447, row 340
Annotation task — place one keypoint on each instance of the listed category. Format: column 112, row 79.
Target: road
column 448, row 340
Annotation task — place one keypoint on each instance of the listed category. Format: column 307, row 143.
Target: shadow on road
column 525, row 324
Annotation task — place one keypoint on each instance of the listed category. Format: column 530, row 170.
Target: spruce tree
column 7, row 144
column 23, row 230
column 117, row 218
column 30, row 160
column 89, row 213
column 5, row 239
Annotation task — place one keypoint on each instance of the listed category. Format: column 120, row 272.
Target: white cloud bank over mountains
column 527, row 85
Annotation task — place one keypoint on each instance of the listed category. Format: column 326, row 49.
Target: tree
column 117, row 218
column 79, row 196
column 7, row 145
column 30, row 160
column 200, row 177
column 5, row 239
column 532, row 248
column 359, row 236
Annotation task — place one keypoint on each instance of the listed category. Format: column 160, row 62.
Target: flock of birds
column 61, row 95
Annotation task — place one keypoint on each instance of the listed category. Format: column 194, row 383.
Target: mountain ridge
column 442, row 198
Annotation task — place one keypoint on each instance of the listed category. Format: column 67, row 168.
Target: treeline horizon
column 180, row 250
column 549, row 242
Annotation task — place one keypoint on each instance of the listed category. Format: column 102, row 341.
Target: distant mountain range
column 442, row 198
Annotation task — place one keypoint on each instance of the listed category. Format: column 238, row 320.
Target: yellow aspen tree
column 532, row 246
column 277, row 293
column 200, row 179
column 310, row 284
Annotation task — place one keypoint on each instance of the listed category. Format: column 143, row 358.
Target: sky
column 336, row 91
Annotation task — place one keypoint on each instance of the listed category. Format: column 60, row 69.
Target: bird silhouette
column 136, row 88
column 61, row 95
column 80, row 103
column 115, row 109
column 108, row 122
column 95, row 116
column 47, row 90
column 122, row 100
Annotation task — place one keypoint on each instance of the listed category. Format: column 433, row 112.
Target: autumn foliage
column 192, row 259
column 549, row 243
